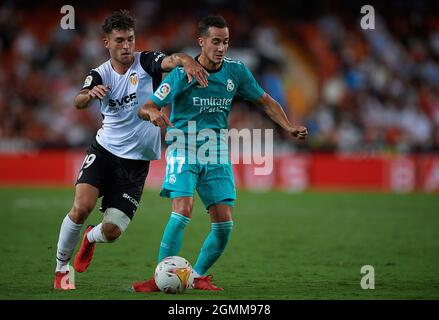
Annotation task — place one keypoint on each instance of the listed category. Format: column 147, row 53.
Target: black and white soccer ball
column 174, row 275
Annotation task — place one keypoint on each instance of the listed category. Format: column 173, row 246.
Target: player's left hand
column 195, row 70
column 299, row 132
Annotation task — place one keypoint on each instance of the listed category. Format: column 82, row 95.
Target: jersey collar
column 208, row 70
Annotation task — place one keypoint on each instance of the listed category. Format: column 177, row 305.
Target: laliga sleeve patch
column 163, row 91
column 87, row 81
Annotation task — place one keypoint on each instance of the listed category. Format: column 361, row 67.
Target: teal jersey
column 191, row 165
column 210, row 106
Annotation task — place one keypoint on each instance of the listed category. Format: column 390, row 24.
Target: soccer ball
column 174, row 275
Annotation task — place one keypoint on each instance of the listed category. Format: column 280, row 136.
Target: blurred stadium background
column 370, row 99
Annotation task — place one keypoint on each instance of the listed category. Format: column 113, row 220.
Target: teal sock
column 173, row 235
column 213, row 246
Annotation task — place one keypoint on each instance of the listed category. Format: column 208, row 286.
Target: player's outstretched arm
column 152, row 113
column 273, row 109
column 86, row 95
column 193, row 68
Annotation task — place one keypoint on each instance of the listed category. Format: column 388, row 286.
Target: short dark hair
column 119, row 20
column 211, row 21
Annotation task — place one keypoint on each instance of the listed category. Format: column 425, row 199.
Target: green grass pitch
column 284, row 246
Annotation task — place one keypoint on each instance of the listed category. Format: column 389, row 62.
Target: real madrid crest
column 230, row 85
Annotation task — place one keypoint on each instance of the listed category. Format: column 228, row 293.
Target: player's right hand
column 99, row 91
column 155, row 116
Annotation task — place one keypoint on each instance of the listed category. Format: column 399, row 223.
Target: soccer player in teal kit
column 205, row 108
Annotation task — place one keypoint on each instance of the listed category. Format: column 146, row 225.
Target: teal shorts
column 214, row 182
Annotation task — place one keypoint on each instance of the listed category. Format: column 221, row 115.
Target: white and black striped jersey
column 123, row 133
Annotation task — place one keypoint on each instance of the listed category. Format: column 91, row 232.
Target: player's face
column 121, row 44
column 215, row 44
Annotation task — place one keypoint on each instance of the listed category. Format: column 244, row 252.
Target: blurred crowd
column 377, row 90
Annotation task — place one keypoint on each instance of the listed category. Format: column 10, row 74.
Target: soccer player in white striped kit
column 117, row 162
